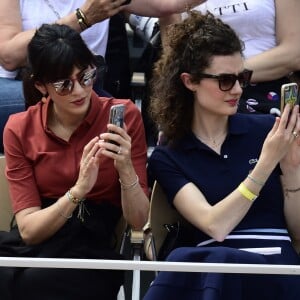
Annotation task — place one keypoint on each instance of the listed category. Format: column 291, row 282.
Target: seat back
column 160, row 213
column 5, row 204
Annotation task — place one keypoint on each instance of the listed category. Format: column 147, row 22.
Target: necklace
column 52, row 9
column 214, row 142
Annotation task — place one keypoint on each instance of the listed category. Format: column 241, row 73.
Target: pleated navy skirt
column 229, row 286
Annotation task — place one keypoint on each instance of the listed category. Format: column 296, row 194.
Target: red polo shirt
column 40, row 164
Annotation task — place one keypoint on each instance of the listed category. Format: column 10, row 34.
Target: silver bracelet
column 62, row 214
column 129, row 186
column 260, row 183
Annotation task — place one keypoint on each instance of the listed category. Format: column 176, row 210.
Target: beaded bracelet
column 129, row 186
column 81, row 19
column 260, row 183
column 72, row 198
column 62, row 214
column 82, row 209
column 246, row 192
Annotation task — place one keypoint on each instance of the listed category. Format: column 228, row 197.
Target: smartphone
column 289, row 94
column 126, row 2
column 116, row 116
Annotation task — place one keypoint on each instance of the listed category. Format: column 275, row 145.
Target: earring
column 44, row 98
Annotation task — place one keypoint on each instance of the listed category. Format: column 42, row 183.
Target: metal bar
column 149, row 265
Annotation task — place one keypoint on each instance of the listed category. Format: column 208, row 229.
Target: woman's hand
column 99, row 10
column 280, row 138
column 116, row 144
column 89, row 168
column 291, row 161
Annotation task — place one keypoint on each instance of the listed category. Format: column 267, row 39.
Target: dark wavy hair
column 192, row 44
column 53, row 53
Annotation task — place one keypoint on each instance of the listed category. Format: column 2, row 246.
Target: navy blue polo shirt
column 217, row 175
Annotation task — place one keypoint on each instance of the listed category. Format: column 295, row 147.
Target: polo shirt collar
column 237, row 125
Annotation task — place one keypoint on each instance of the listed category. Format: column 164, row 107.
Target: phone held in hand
column 116, row 116
column 289, row 94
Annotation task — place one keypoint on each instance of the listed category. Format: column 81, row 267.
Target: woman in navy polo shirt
column 234, row 177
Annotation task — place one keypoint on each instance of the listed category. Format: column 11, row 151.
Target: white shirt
column 252, row 20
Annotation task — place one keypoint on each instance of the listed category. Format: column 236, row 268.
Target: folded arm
column 159, row 8
column 285, row 57
column 14, row 41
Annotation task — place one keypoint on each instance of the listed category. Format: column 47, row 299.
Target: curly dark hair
column 192, row 44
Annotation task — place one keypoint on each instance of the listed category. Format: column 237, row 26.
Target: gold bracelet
column 246, row 192
column 81, row 19
column 62, row 214
column 129, row 186
column 73, row 199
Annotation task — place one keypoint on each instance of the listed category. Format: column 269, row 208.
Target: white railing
column 148, row 265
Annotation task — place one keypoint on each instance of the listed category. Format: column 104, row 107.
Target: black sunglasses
column 64, row 87
column 227, row 81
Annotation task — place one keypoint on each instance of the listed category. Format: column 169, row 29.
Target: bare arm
column 159, row 8
column 10, row 37
column 290, row 166
column 135, row 203
column 163, row 24
column 219, row 220
column 14, row 41
column 285, row 57
column 291, row 189
column 36, row 224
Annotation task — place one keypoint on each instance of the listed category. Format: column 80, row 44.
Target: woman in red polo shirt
column 68, row 183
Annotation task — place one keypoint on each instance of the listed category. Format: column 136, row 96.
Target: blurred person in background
column 270, row 30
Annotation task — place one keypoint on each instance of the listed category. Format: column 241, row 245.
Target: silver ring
column 295, row 134
column 120, row 150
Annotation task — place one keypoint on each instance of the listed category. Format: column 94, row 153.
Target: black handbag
column 178, row 235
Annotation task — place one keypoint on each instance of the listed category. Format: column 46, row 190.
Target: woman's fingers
column 115, row 143
column 90, row 150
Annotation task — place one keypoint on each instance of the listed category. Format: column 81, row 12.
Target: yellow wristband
column 246, row 192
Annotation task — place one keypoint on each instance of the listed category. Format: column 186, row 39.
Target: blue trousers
column 11, row 101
